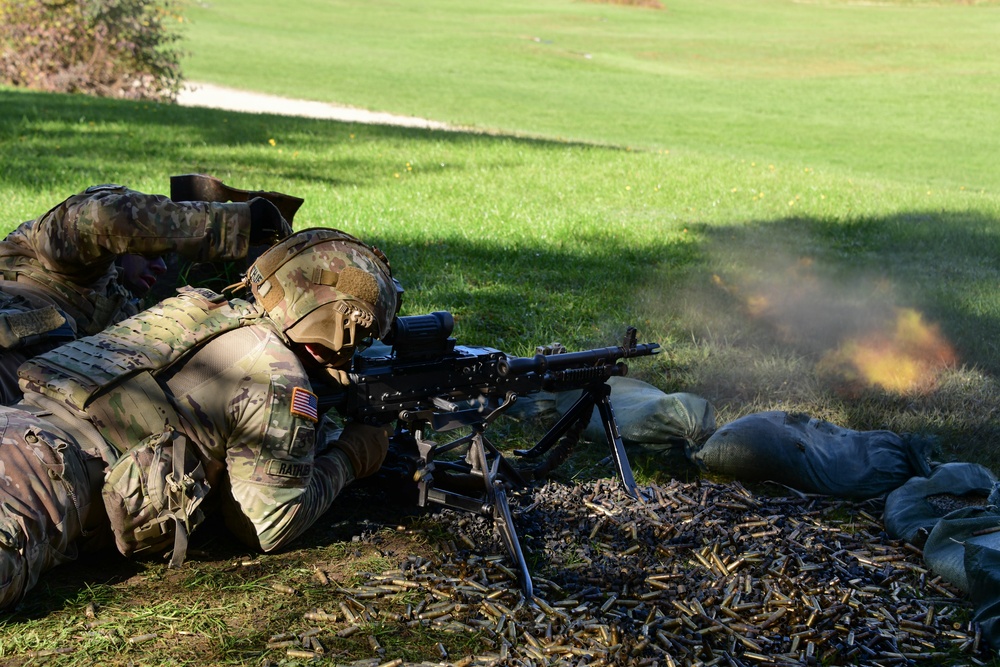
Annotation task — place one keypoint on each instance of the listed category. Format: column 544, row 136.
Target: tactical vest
column 109, row 378
column 155, row 485
column 90, row 309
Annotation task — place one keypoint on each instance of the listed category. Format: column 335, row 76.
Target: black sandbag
column 945, row 549
column 982, row 565
column 812, row 455
column 963, row 548
column 910, row 516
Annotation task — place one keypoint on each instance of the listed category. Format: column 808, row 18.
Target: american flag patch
column 305, row 404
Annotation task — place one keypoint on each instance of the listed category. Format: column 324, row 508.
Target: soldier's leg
column 45, row 495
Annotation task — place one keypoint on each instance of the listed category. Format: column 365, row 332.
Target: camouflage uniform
column 45, row 497
column 58, row 278
column 217, row 377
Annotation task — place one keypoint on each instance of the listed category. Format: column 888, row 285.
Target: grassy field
column 902, row 91
column 828, row 163
column 782, row 194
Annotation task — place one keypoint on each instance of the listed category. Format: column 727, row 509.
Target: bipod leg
column 496, row 499
column 618, row 455
column 505, row 524
column 583, row 406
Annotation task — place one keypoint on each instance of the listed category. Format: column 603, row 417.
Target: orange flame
column 758, row 305
column 907, row 358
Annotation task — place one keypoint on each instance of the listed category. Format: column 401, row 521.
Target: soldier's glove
column 339, row 377
column 267, row 227
column 365, row 447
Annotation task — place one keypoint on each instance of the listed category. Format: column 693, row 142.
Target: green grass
column 529, row 241
column 899, row 91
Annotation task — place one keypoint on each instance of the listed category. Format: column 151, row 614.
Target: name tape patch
column 277, row 468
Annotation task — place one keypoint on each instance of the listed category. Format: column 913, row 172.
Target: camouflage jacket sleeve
column 253, row 413
column 85, row 233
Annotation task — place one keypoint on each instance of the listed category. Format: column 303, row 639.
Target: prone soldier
column 198, row 403
column 84, row 264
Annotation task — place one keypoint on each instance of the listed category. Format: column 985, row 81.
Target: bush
column 109, row 48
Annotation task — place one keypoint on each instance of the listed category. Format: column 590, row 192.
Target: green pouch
column 152, row 495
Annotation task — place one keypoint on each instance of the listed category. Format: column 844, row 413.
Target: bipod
column 477, row 483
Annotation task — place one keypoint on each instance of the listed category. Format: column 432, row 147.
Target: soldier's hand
column 339, row 376
column 267, row 227
column 365, row 447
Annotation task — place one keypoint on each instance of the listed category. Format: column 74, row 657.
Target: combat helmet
column 327, row 287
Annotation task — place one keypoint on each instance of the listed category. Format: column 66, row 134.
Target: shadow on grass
column 510, row 297
column 72, row 136
column 73, row 585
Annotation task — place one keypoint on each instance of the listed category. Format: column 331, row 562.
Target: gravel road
column 196, row 94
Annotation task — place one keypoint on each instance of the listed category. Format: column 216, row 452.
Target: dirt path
column 208, row 95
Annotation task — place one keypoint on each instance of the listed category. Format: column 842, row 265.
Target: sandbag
column 908, row 515
column 812, row 455
column 945, row 549
column 982, row 566
column 648, row 418
column 539, row 406
column 963, row 548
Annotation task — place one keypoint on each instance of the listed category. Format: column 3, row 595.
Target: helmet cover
column 321, row 285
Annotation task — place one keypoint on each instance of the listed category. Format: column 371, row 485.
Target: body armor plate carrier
column 154, row 488
column 109, row 378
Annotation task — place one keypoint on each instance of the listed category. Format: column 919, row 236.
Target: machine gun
column 425, row 382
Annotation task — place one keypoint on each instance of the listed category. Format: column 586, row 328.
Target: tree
column 110, row 48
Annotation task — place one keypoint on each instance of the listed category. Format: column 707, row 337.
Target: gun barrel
column 541, row 363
